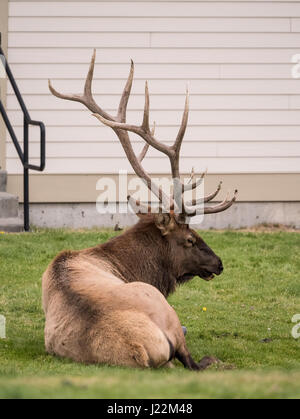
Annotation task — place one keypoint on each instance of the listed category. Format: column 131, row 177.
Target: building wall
column 235, row 56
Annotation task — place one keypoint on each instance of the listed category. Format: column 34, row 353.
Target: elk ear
column 164, row 222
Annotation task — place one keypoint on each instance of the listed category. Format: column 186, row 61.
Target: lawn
column 247, row 323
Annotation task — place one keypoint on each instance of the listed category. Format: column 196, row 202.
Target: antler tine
column 89, row 77
column 195, row 184
column 153, row 128
column 214, row 209
column 192, row 175
column 145, row 123
column 213, row 194
column 222, row 206
column 177, row 144
column 121, row 116
column 143, row 153
column 184, row 122
column 87, row 97
column 74, row 97
column 146, row 147
column 205, row 198
column 144, row 209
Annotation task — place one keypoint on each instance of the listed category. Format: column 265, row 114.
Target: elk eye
column 191, row 241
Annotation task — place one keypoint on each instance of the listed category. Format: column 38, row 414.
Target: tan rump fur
column 94, row 317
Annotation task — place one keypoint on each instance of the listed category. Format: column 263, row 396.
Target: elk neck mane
column 140, row 253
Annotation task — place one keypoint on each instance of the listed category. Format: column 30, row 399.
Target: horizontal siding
column 237, row 133
column 166, row 118
column 295, row 25
column 75, row 55
column 155, row 40
column 235, row 57
column 218, row 40
column 156, row 71
column 104, row 40
column 156, row 9
column 158, row 86
column 148, row 24
column 113, row 71
column 224, row 165
column 110, row 149
column 162, row 102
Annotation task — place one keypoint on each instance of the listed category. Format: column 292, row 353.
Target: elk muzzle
column 215, row 269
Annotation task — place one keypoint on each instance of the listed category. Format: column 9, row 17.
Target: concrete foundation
column 9, row 208
column 3, row 180
column 240, row 215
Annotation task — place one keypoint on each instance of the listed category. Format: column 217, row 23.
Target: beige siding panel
column 104, row 40
column 146, row 24
column 252, row 187
column 213, row 164
column 111, row 150
column 151, row 55
column 176, row 86
column 225, row 40
column 161, row 40
column 156, row 71
column 162, row 102
column 295, row 25
column 255, row 71
column 117, row 71
column 205, row 148
column 223, row 117
column 155, row 9
column 193, row 133
column 259, row 149
column 295, row 102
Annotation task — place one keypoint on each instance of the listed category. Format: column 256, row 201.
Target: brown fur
column 145, row 253
column 106, row 304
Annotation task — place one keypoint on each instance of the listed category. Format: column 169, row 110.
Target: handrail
column 23, row 154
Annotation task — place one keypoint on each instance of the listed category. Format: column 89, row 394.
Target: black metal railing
column 23, row 154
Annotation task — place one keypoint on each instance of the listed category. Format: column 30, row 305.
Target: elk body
column 107, row 304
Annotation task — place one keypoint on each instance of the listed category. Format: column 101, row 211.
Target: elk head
column 188, row 253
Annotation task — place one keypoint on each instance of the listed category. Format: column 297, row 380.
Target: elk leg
column 187, row 361
column 184, row 356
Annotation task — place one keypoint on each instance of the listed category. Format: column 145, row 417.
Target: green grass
column 254, row 299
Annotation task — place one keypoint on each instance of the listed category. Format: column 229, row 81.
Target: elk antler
column 87, row 99
column 121, row 128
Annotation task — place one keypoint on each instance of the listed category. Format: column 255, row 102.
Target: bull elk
column 107, row 304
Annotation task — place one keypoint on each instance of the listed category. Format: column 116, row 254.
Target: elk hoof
column 184, row 329
column 206, row 361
